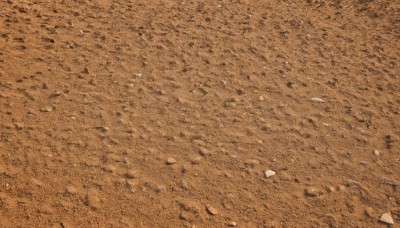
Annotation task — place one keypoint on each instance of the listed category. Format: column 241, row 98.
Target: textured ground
column 96, row 97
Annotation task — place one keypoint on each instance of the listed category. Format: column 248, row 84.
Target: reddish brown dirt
column 96, row 96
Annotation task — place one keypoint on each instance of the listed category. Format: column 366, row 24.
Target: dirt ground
column 168, row 113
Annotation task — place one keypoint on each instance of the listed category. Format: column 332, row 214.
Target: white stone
column 270, row 173
column 376, row 152
column 387, row 218
column 317, row 99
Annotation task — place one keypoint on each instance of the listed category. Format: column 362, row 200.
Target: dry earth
column 167, row 113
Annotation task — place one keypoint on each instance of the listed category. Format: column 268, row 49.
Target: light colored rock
column 252, row 162
column 204, row 152
column 103, row 128
column 232, row 224
column 37, row 182
column 270, row 173
column 317, row 99
column 196, row 160
column 387, row 218
column 376, row 152
column 92, row 199
column 212, row 210
column 171, row 161
column 71, row 190
column 46, row 109
column 137, row 75
column 330, row 189
column 369, row 212
column 341, row 188
column 312, row 192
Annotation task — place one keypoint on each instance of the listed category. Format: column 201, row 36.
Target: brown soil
column 167, row 113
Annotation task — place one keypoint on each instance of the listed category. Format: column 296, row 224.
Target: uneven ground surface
column 97, row 97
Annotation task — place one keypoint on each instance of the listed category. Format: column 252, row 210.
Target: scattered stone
column 46, row 109
column 317, row 99
column 389, row 141
column 312, row 192
column 19, row 126
column 109, row 168
column 185, row 216
column 65, row 224
column 196, row 160
column 171, row 161
column 387, row 218
column 130, row 174
column 161, row 189
column 56, row 94
column 270, row 173
column 204, row 151
column 390, row 182
column 261, row 98
column 376, row 152
column 85, row 71
column 330, row 189
column 71, row 190
column 103, row 129
column 132, row 183
column 37, row 182
column 251, row 162
column 351, row 182
column 369, row 212
column 130, row 85
column 363, row 163
column 341, row 188
column 184, row 184
column 232, row 224
column 137, row 75
column 92, row 199
column 241, row 92
column 211, row 210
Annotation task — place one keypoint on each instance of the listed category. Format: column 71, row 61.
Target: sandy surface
column 168, row 113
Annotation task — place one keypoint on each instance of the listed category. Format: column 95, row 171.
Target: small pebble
column 71, row 190
column 270, row 173
column 232, row 224
column 376, row 152
column 330, row 189
column 130, row 174
column 46, row 109
column 312, row 192
column 317, row 99
column 387, row 218
column 161, row 189
column 93, row 200
column 212, row 210
column 137, row 75
column 341, row 188
column 252, row 162
column 196, row 160
column 171, row 161
column 103, row 129
column 204, row 151
column 369, row 212
column 184, row 185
